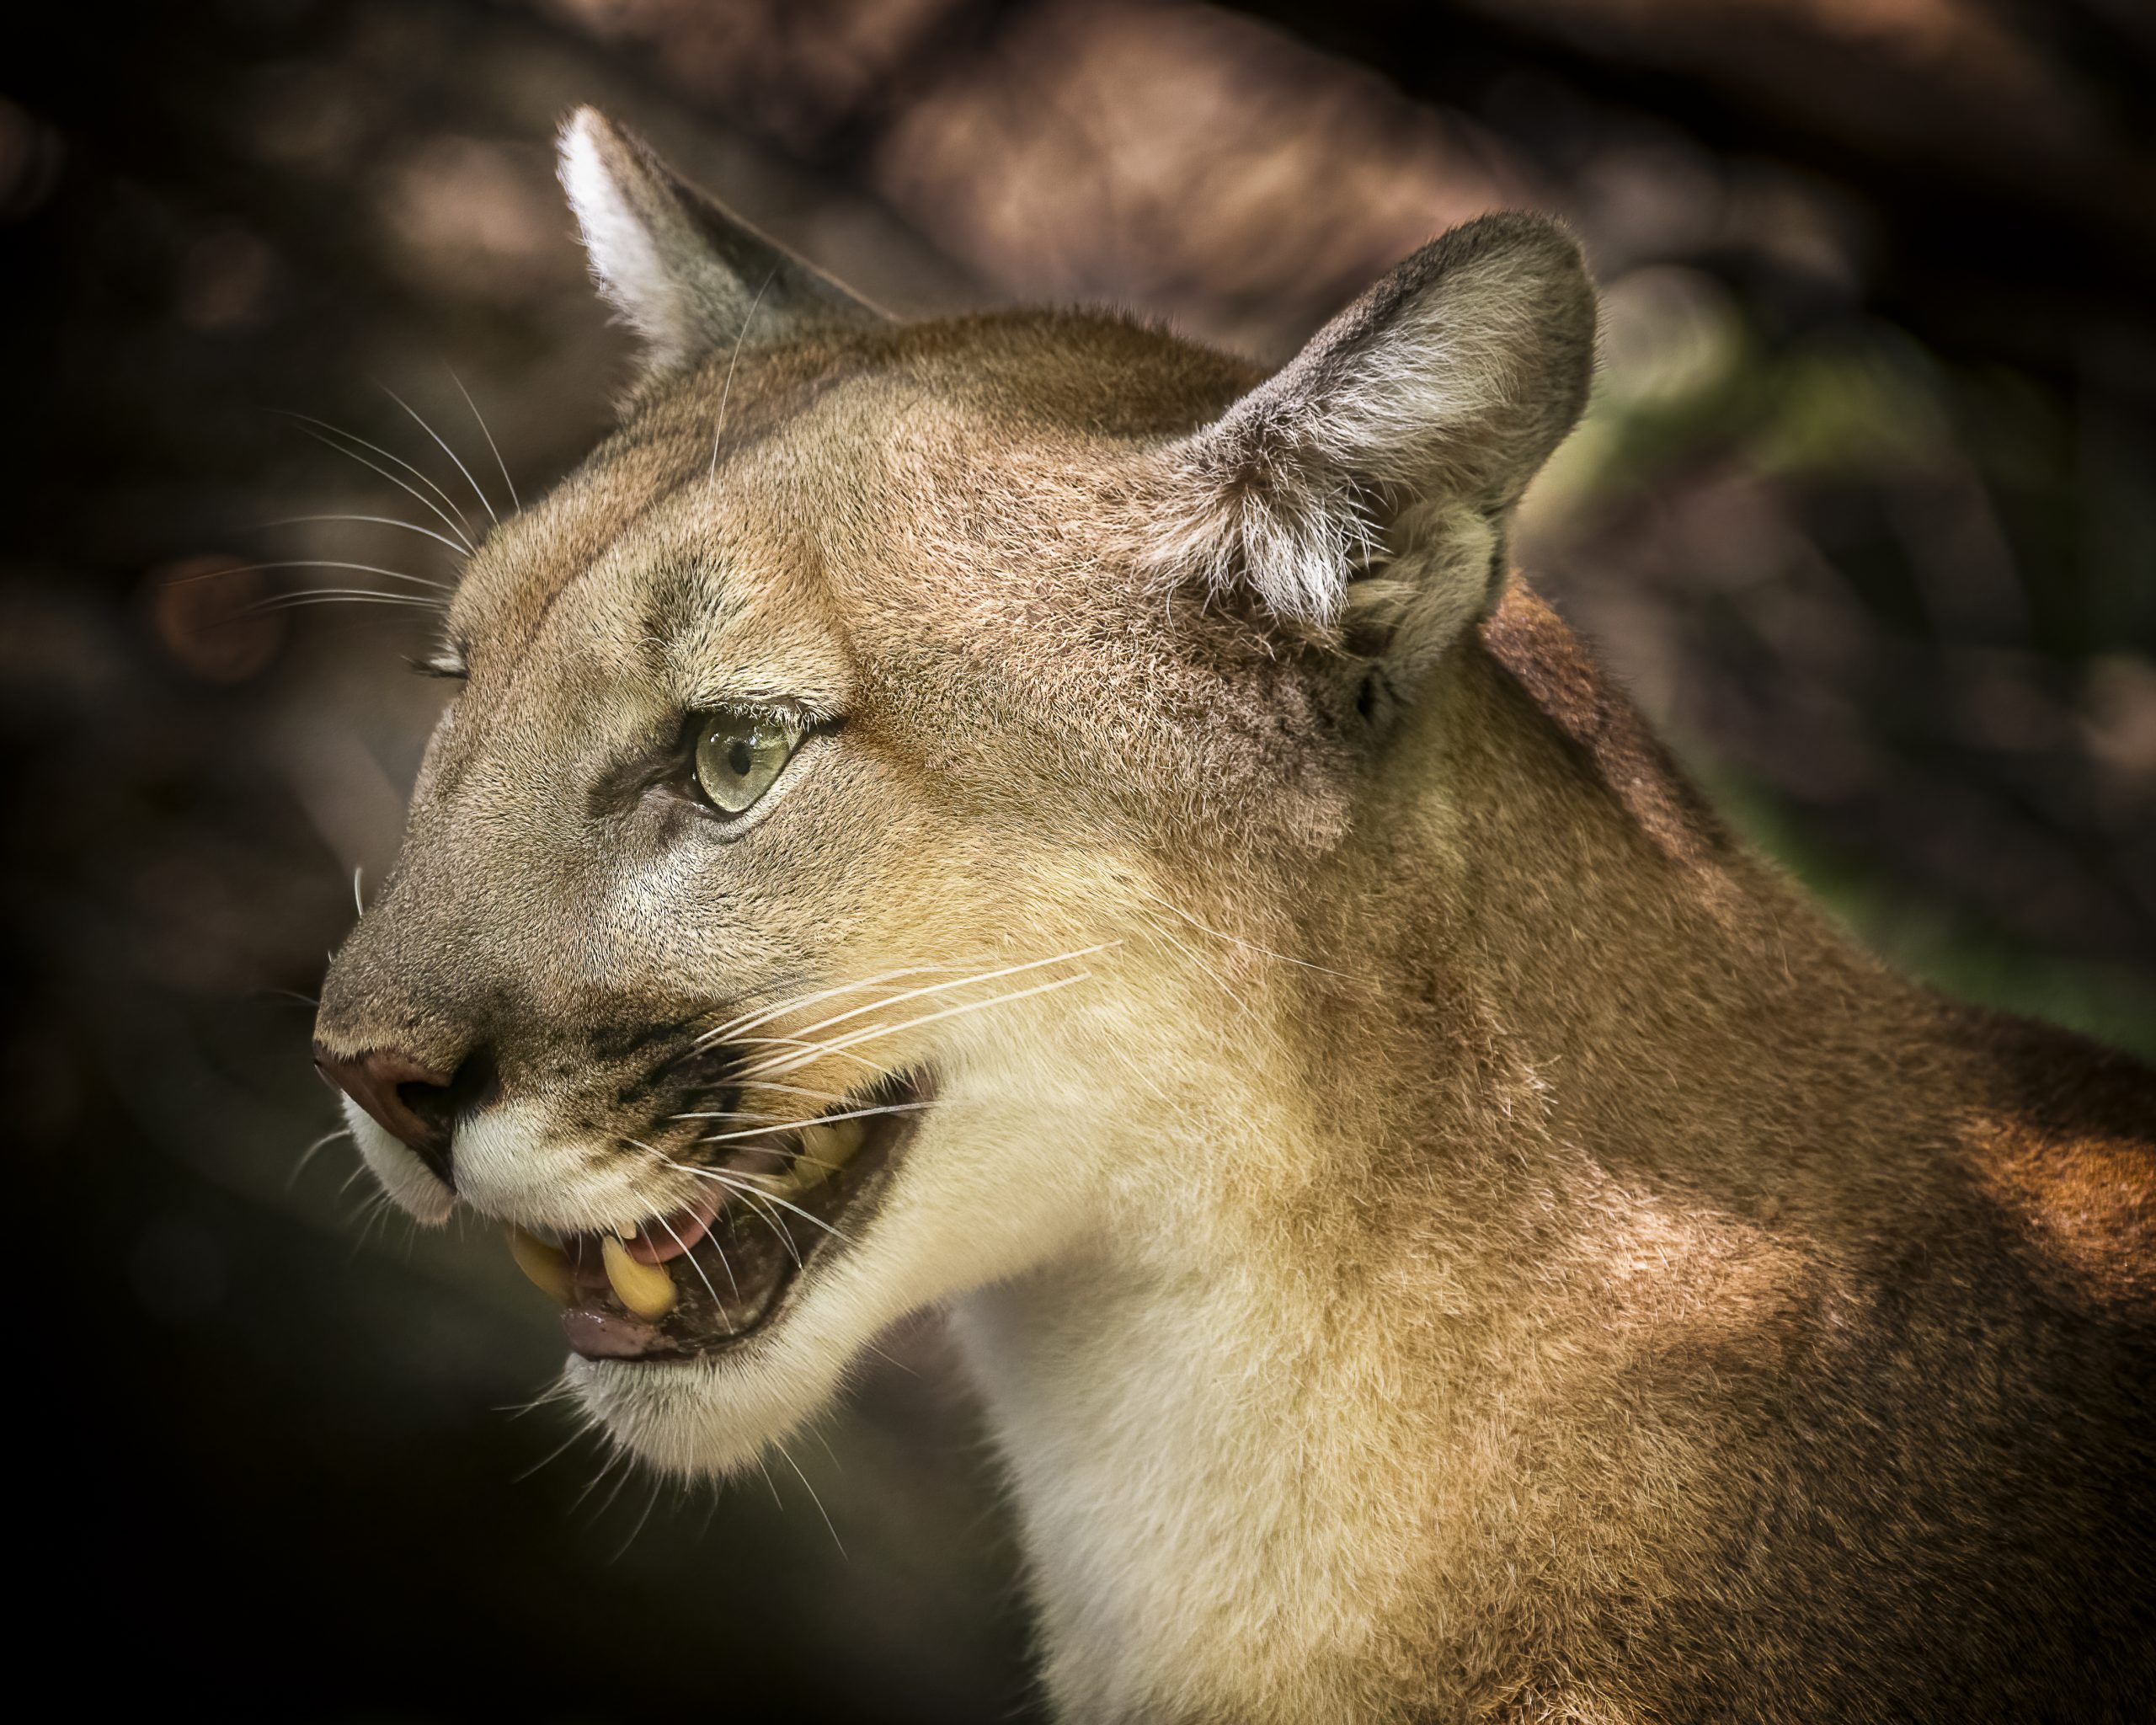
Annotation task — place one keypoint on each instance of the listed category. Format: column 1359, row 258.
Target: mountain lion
column 1026, row 816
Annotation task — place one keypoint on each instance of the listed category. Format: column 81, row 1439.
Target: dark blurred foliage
column 1865, row 514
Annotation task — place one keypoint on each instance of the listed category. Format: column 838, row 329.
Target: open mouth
column 708, row 1275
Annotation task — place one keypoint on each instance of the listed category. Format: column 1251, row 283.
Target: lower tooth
column 646, row 1288
column 546, row 1266
column 825, row 1148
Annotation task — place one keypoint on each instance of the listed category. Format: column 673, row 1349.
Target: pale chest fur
column 1263, row 1478
column 1241, row 1474
column 1186, row 1546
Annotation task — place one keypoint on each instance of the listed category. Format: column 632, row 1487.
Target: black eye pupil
column 739, row 757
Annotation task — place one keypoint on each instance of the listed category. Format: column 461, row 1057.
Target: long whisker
column 613, row 1496
column 718, row 424
column 956, row 982
column 783, row 1089
column 690, row 1256
column 894, row 1108
column 725, row 1264
column 770, row 1218
column 313, row 1151
column 485, row 503
column 317, row 562
column 341, row 596
column 557, row 1391
column 555, row 1454
column 845, row 1043
column 1246, row 945
column 772, row 1221
column 751, row 1193
column 761, row 1016
column 613, row 1461
column 1157, row 928
column 809, row 1051
column 787, row 1455
column 316, row 430
column 374, row 520
column 696, row 1267
column 516, row 502
column 650, row 1504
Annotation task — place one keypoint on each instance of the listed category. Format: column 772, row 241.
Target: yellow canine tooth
column 826, row 1147
column 645, row 1289
column 546, row 1267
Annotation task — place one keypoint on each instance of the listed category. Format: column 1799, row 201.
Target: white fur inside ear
column 1449, row 383
column 1288, row 530
column 627, row 253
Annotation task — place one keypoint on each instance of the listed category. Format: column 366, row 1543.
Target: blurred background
column 1864, row 513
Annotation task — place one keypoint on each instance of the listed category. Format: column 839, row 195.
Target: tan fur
column 1476, row 1243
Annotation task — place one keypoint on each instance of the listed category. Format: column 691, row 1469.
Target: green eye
column 739, row 755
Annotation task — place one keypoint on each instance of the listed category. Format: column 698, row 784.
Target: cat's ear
column 1368, row 482
column 684, row 272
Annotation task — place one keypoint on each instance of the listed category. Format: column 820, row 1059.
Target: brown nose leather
column 411, row 1102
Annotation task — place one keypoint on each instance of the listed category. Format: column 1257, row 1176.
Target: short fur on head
column 1441, row 1231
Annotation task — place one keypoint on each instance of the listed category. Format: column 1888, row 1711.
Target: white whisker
column 809, row 1051
column 758, row 1017
column 693, row 1265
column 895, row 1108
column 312, row 1151
column 650, row 1504
column 516, row 502
column 783, row 1089
column 484, row 502
column 607, row 1503
column 341, row 596
column 751, row 1193
column 956, row 982
column 320, row 563
column 718, row 424
column 1248, row 945
column 846, row 1044
column 812, row 1497
column 309, row 422
column 557, row 1390
column 376, row 521
column 555, row 1454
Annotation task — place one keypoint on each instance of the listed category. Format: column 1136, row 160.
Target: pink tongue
column 657, row 1241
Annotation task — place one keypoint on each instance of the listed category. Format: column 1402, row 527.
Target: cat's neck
column 1230, row 1421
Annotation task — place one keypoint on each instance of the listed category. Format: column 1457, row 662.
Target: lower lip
column 611, row 1335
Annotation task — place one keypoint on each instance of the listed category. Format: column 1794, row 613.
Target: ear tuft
column 1435, row 397
column 684, row 272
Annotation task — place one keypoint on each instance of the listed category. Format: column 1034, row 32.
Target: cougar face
column 786, row 935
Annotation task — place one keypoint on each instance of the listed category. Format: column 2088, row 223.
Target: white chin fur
column 411, row 1188
column 713, row 1417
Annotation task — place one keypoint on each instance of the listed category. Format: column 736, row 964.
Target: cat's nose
column 415, row 1103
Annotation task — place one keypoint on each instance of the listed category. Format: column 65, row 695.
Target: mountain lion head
column 886, row 835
